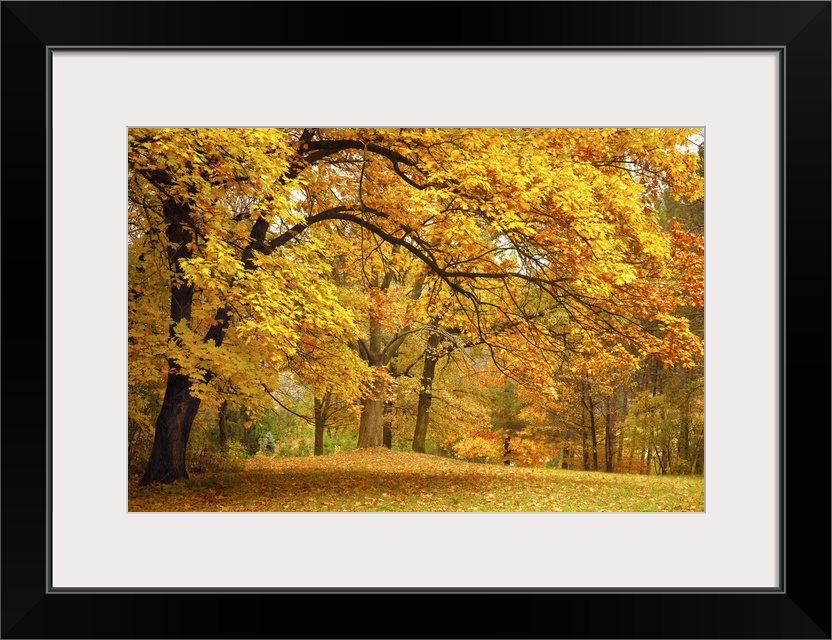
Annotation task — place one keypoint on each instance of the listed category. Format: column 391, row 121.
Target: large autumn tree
column 544, row 242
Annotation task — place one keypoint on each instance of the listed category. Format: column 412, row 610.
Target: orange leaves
column 486, row 445
column 678, row 344
column 688, row 262
column 529, row 449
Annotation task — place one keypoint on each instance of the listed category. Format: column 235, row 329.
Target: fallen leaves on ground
column 382, row 480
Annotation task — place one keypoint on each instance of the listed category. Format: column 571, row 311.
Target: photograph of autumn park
column 416, row 319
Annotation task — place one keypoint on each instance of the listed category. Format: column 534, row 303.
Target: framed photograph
column 752, row 78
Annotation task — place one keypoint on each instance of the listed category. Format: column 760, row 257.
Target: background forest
column 525, row 297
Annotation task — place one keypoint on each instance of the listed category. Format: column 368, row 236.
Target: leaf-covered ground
column 383, row 480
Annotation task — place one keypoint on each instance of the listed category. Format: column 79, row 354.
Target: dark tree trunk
column 173, row 426
column 593, row 433
column 657, row 458
column 700, row 458
column 684, row 434
column 588, row 406
column 609, row 437
column 584, row 443
column 222, row 423
column 657, row 377
column 620, row 435
column 179, row 407
column 684, row 437
column 426, row 392
column 564, row 461
column 320, row 424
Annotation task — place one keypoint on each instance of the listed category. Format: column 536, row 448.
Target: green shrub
column 139, row 445
column 205, row 453
column 237, row 450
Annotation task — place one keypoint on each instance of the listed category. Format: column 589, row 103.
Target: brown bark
column 620, row 439
column 699, row 466
column 173, row 426
column 179, row 407
column 609, row 437
column 658, row 458
column 584, row 442
column 426, row 392
column 594, row 435
column 222, row 423
column 387, row 423
column 684, row 433
column 320, row 423
column 589, row 404
column 371, row 428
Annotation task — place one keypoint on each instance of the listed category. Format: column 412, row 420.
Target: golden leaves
column 414, row 482
column 541, row 241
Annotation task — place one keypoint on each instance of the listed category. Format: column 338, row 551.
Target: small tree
column 268, row 443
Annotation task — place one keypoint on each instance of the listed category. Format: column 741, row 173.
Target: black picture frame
column 799, row 608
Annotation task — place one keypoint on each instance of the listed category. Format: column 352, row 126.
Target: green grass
column 382, row 480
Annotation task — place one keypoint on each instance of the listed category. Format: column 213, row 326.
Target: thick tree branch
column 283, row 406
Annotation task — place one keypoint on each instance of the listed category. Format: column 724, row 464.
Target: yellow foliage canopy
column 541, row 243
